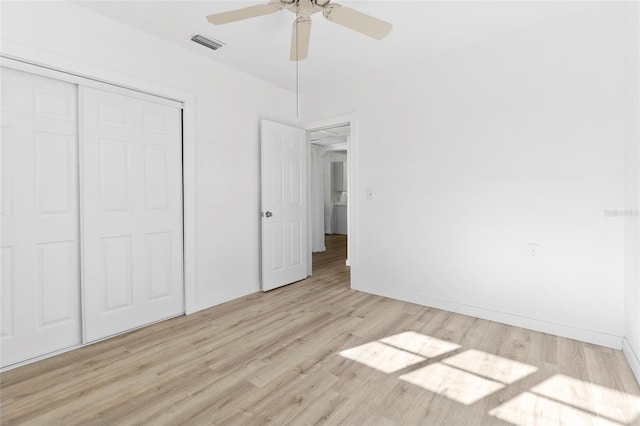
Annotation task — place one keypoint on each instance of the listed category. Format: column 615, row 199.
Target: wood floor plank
column 317, row 352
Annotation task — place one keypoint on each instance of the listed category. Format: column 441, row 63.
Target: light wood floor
column 318, row 352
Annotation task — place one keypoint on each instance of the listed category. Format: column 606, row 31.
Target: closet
column 91, row 213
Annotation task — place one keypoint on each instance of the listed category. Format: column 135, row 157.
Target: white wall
column 228, row 105
column 475, row 153
column 632, row 221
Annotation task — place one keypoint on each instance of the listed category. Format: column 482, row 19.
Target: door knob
column 268, row 214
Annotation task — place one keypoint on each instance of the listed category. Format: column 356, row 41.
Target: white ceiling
column 260, row 46
column 330, row 136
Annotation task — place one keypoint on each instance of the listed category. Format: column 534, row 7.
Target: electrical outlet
column 533, row 252
column 369, row 194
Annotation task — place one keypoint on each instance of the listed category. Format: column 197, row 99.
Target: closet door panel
column 40, row 224
column 132, row 212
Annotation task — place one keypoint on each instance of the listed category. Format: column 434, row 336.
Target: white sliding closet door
column 131, row 169
column 40, row 296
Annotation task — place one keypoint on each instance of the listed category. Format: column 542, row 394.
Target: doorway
column 329, row 193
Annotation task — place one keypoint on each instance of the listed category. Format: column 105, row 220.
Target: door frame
column 352, row 186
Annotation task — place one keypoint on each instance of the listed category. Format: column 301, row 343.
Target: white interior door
column 40, row 296
column 131, row 168
column 284, row 204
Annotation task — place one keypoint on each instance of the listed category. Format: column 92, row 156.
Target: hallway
column 332, row 261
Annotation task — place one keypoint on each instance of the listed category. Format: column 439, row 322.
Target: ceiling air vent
column 207, row 42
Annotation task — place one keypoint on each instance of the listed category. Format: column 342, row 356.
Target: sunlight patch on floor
column 606, row 402
column 468, row 377
column 529, row 409
column 420, row 344
column 382, row 357
column 455, row 384
column 491, row 366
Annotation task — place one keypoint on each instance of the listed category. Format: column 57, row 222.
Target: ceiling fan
column 346, row 16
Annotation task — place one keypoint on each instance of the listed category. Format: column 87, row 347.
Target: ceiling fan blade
column 300, row 37
column 244, row 13
column 358, row 21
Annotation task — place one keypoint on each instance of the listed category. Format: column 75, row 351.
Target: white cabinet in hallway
column 341, row 219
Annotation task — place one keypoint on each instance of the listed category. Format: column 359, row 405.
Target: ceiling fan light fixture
column 207, row 42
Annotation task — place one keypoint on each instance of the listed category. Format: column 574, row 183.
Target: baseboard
column 81, row 345
column 41, row 357
column 219, row 298
column 589, row 336
column 632, row 358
